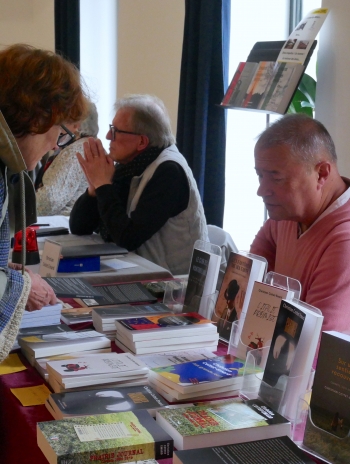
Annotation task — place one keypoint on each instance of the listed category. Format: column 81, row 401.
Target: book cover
column 202, row 278
column 289, row 324
column 229, row 95
column 133, row 292
column 202, row 374
column 43, row 330
column 231, row 421
column 260, row 319
column 72, row 287
column 235, row 290
column 273, row 450
column 258, row 85
column 118, row 437
column 328, row 425
column 240, row 90
column 105, row 401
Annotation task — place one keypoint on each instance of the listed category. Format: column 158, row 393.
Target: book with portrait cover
column 328, row 425
column 242, row 270
column 221, row 423
column 116, row 437
column 104, row 401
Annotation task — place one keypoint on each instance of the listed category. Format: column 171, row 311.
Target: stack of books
column 63, row 342
column 104, row 401
column 104, row 318
column 48, row 315
column 203, row 379
column 109, row 369
column 168, row 332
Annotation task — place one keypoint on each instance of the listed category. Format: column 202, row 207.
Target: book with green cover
column 119, row 437
column 222, row 423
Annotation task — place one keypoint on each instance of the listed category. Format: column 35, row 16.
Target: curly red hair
column 39, row 89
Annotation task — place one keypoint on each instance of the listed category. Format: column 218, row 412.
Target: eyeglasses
column 65, row 139
column 114, row 131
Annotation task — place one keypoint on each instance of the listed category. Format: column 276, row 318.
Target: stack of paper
column 48, row 315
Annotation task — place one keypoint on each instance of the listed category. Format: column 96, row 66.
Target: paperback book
column 257, row 327
column 328, row 425
column 38, row 346
column 120, row 437
column 241, row 272
column 222, row 423
column 164, row 326
column 105, row 401
column 202, row 279
column 97, row 369
column 273, row 450
column 48, row 315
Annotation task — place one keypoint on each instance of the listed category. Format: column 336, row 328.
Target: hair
column 39, row 89
column 307, row 139
column 149, row 117
column 89, row 127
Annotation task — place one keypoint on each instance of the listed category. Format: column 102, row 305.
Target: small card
column 11, row 364
column 50, row 259
column 31, row 396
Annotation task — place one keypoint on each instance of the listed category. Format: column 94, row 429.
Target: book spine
column 233, row 84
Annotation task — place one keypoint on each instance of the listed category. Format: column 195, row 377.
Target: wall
column 332, row 97
column 150, row 35
column 27, row 21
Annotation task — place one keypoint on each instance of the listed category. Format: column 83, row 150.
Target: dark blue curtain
column 67, row 29
column 201, row 124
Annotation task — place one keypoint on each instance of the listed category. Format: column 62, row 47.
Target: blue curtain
column 67, row 29
column 201, row 124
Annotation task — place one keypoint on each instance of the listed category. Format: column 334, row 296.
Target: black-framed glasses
column 114, row 130
column 65, row 139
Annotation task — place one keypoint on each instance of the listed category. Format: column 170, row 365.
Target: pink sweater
column 319, row 259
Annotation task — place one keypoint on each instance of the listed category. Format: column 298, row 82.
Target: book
column 104, row 317
column 272, row 450
column 256, row 328
column 40, row 363
column 168, row 343
column 38, row 346
column 204, row 374
column 163, row 326
column 96, row 249
column 202, row 279
column 230, row 92
column 241, row 88
column 40, row 330
column 304, row 322
column 117, row 437
column 48, row 315
column 105, row 401
column 222, row 423
column 242, row 270
column 176, row 357
column 101, row 295
column 96, row 369
column 328, row 423
column 258, row 85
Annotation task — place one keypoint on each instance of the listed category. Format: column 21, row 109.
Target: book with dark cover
column 202, row 278
column 119, row 437
column 282, row 350
column 274, row 450
column 105, row 401
column 328, row 424
column 97, row 249
column 43, row 330
column 72, row 287
column 222, row 423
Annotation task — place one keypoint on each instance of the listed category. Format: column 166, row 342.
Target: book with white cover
column 256, row 328
column 164, row 326
column 96, row 367
column 47, row 315
column 165, row 348
column 38, row 346
column 202, row 276
column 176, row 357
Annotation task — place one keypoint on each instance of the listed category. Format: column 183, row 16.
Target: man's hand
column 97, row 166
column 41, row 294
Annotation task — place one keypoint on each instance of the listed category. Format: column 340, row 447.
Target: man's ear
column 323, row 169
column 143, row 144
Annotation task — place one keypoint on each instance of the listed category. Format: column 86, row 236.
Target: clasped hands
column 98, row 167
